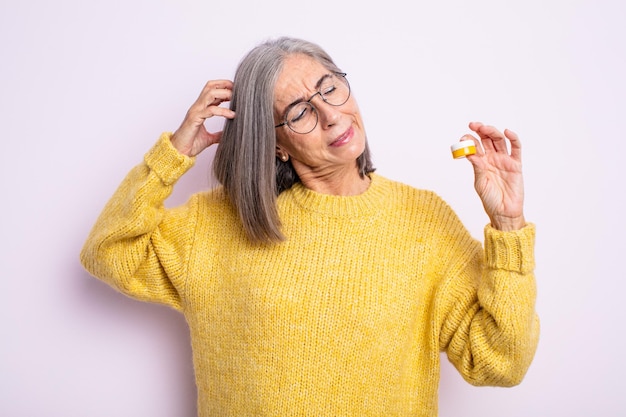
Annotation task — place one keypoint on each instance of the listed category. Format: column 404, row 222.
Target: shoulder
column 209, row 214
column 419, row 206
column 214, row 201
column 403, row 193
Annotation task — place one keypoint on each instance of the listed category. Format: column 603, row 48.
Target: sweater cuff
column 166, row 162
column 511, row 251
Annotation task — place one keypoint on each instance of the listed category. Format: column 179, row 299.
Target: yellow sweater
column 347, row 317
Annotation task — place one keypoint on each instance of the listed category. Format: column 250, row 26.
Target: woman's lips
column 344, row 138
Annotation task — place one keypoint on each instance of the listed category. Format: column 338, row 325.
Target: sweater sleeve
column 136, row 245
column 490, row 329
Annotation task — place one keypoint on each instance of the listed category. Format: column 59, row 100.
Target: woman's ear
column 281, row 154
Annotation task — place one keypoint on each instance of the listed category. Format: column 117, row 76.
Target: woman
column 311, row 285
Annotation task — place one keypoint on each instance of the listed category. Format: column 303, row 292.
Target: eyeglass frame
column 317, row 118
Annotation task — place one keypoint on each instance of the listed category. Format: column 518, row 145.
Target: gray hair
column 245, row 161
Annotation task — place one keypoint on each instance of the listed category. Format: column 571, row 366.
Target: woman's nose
column 328, row 114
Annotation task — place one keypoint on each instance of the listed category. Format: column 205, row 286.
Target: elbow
column 500, row 373
column 87, row 258
column 101, row 264
column 94, row 260
column 508, row 368
column 509, row 376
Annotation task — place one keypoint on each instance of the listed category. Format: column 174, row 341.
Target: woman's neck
column 338, row 182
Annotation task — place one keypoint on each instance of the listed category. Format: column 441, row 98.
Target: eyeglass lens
column 334, row 90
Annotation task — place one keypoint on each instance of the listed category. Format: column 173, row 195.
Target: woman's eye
column 299, row 115
column 328, row 91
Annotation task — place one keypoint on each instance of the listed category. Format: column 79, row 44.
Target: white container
column 463, row 148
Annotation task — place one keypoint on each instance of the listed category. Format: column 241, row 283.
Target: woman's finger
column 207, row 104
column 216, row 92
column 492, row 139
column 516, row 144
column 218, row 111
column 192, row 137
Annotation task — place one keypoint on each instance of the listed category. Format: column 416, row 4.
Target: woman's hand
column 191, row 138
column 498, row 175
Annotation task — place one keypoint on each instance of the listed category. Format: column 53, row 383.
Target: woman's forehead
column 299, row 76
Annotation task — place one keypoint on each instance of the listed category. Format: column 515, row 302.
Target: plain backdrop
column 86, row 87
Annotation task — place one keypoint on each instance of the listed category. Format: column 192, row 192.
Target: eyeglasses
column 301, row 117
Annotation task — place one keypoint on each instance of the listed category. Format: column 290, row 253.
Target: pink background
column 86, row 87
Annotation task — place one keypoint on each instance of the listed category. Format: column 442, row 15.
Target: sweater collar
column 366, row 204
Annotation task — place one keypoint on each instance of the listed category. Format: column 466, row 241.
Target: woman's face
column 337, row 140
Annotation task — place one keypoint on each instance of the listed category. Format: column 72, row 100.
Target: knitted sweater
column 347, row 317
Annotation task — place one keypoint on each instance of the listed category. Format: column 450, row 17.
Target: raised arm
column 136, row 245
column 491, row 330
column 132, row 246
column 486, row 306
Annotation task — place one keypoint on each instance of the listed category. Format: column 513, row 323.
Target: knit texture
column 347, row 317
